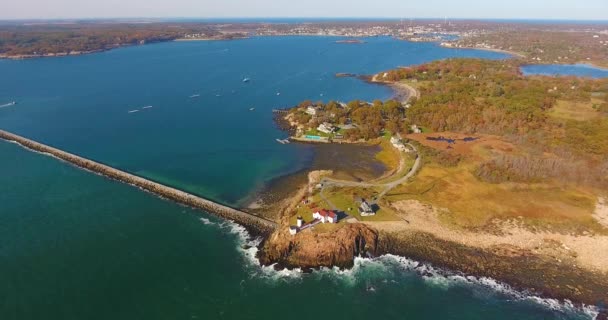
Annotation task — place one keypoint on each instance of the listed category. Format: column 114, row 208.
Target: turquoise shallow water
column 74, row 245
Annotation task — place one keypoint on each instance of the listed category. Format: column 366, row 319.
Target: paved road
column 326, row 182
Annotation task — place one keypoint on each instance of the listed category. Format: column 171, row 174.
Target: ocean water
column 74, row 245
column 210, row 145
column 578, row 70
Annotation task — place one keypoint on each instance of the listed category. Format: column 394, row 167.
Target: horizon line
column 304, row 18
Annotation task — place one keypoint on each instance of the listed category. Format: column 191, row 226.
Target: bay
column 74, row 245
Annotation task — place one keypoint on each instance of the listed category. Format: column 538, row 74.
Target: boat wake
column 387, row 267
column 6, row 105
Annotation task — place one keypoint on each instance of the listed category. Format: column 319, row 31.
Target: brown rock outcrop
column 309, row 249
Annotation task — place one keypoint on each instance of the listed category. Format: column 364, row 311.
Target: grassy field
column 579, row 111
column 473, row 203
column 346, row 198
column 389, row 156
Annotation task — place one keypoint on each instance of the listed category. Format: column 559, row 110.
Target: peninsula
column 488, row 172
column 493, row 173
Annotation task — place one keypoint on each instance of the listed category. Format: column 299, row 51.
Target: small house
column 326, row 127
column 415, row 129
column 328, row 216
column 293, row 230
column 311, row 110
column 365, row 209
column 398, row 144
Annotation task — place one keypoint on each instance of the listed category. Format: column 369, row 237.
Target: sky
column 457, row 9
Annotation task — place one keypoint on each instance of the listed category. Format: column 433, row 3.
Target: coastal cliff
column 310, row 249
column 527, row 272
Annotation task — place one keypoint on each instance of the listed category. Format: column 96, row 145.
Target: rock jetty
column 252, row 222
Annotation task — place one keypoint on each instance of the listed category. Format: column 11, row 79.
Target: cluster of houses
column 328, row 216
column 319, row 216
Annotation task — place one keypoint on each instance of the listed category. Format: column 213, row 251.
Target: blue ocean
column 74, row 245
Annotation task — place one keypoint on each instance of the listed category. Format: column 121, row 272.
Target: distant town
column 539, row 43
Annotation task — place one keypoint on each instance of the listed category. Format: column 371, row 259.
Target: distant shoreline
column 79, row 53
column 208, row 39
column 513, row 53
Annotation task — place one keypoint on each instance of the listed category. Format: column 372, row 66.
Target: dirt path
column 329, row 182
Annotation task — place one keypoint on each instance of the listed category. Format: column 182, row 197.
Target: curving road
column 326, row 182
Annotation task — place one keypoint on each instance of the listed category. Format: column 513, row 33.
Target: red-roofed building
column 328, row 216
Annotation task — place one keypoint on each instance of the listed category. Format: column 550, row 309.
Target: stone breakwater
column 252, row 222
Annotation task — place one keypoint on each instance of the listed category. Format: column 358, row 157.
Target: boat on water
column 278, row 93
column 251, row 109
column 133, row 111
column 10, row 104
column 194, row 96
column 282, row 141
column 246, row 80
column 147, row 107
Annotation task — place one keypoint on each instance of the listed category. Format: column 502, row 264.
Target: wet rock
column 313, row 250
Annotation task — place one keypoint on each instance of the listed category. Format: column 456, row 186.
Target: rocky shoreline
column 526, row 273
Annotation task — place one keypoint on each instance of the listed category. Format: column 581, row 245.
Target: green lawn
column 344, row 199
column 315, row 132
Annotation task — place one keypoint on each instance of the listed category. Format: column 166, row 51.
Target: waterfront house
column 398, row 144
column 311, row 110
column 326, row 127
column 365, row 209
column 324, row 216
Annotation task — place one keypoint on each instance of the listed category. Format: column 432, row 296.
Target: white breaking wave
column 248, row 248
column 387, row 264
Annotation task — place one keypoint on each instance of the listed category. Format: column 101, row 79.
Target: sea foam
column 383, row 266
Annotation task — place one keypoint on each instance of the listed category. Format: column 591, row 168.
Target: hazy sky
column 521, row 9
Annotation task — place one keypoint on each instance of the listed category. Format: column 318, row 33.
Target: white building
column 366, row 210
column 293, row 230
column 326, row 127
column 328, row 216
column 415, row 129
column 311, row 110
column 397, row 143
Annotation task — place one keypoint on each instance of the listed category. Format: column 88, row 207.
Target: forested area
column 540, row 46
column 40, row 40
column 493, row 97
